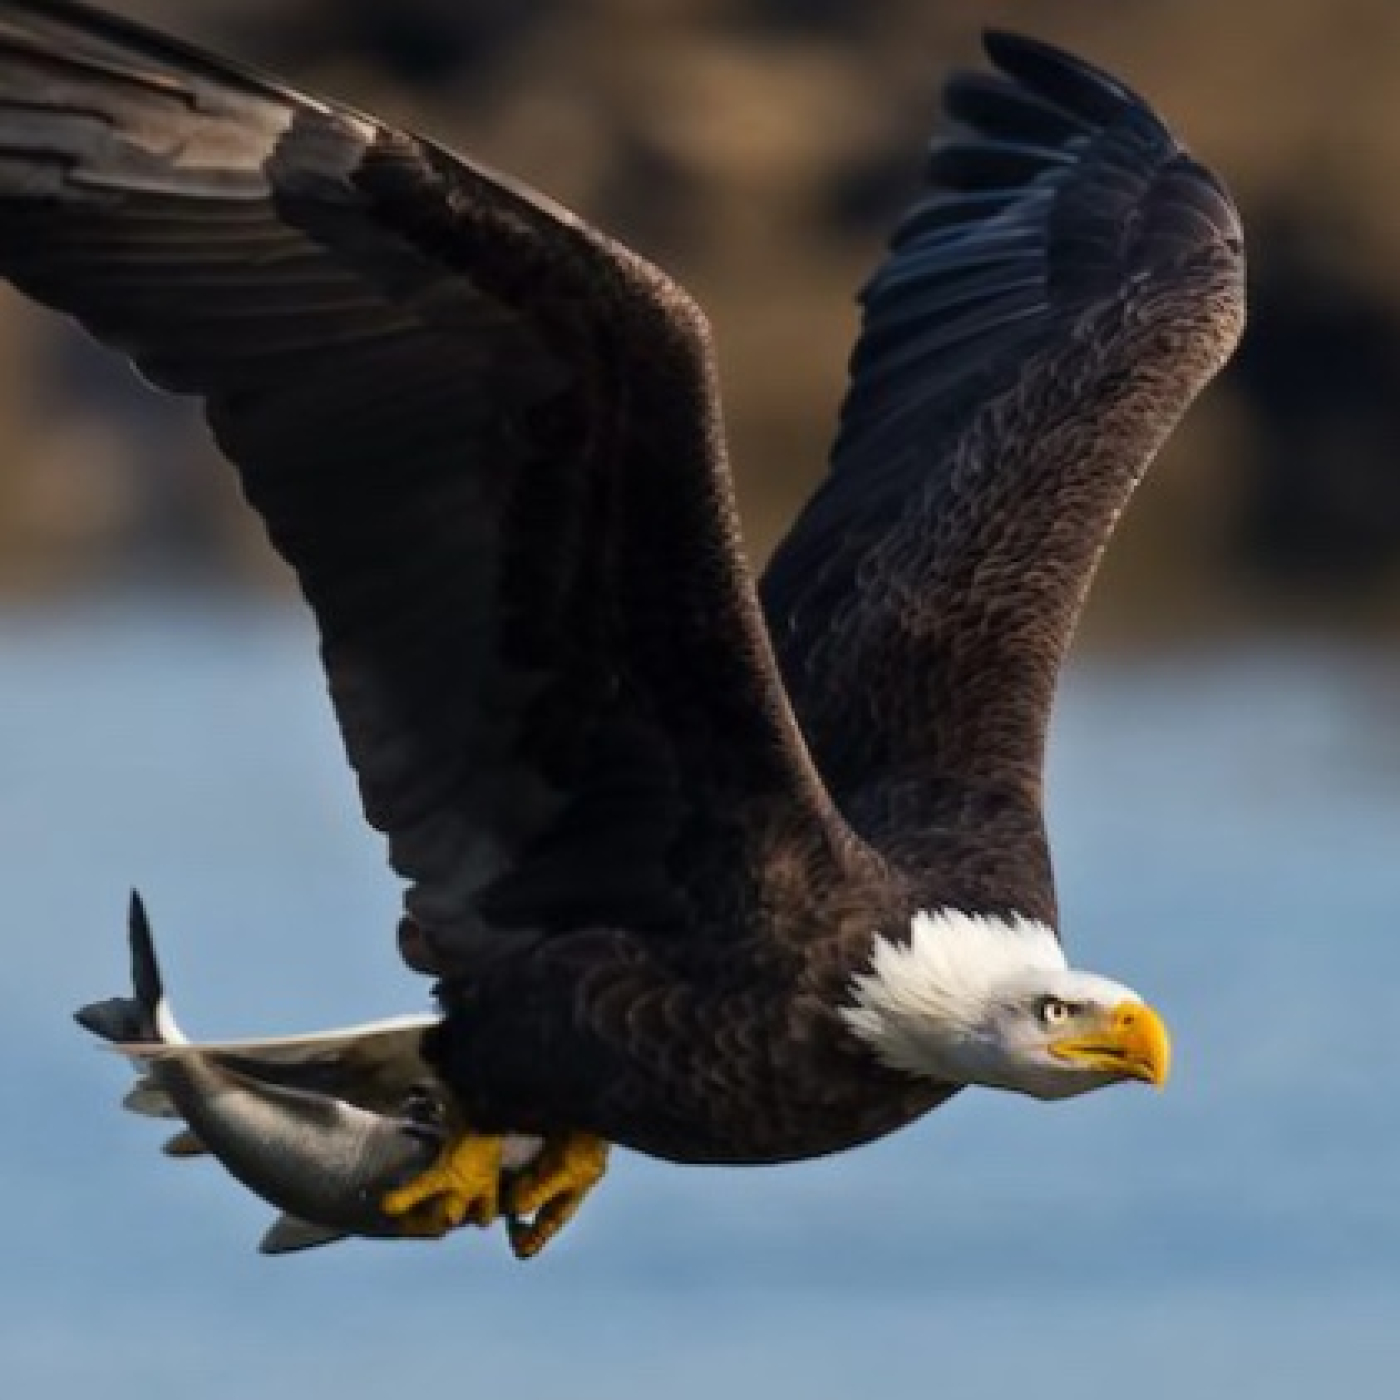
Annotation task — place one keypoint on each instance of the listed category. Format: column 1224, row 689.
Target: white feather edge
column 277, row 1049
column 389, row 1034
column 392, row 1041
column 909, row 1007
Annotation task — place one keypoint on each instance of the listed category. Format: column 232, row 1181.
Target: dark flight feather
column 485, row 437
column 1049, row 307
column 488, row 441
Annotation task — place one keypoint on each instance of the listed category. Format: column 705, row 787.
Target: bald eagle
column 717, row 873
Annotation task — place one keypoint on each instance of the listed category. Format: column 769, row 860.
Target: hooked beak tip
column 1132, row 1043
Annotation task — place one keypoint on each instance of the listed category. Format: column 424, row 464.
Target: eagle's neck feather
column 919, row 1005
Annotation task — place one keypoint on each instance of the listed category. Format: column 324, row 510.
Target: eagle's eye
column 1052, row 1011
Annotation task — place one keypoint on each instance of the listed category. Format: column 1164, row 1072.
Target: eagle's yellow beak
column 1130, row 1042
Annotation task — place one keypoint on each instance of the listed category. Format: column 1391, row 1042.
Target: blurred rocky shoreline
column 760, row 150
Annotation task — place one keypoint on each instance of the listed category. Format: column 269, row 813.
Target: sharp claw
column 528, row 1237
column 462, row 1187
column 428, row 1221
column 551, row 1190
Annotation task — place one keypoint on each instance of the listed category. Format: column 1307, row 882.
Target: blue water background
column 1227, row 826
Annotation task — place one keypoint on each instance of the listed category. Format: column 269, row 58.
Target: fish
column 320, row 1126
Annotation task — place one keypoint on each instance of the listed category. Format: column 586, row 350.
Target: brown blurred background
column 760, row 150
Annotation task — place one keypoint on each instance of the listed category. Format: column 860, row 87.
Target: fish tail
column 144, row 1016
column 145, row 970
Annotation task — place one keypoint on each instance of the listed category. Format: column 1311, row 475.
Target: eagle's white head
column 973, row 999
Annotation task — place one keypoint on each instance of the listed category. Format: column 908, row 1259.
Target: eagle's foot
column 461, row 1188
column 430, row 1220
column 545, row 1196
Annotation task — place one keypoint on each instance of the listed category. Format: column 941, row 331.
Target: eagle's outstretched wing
column 1069, row 280
column 486, row 438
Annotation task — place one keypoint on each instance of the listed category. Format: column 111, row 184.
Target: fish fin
column 289, row 1233
column 145, row 976
column 149, row 1100
column 117, row 1019
column 184, row 1144
column 145, row 1016
column 145, row 970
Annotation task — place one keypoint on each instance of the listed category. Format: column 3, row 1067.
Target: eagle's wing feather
column 486, row 438
column 1067, row 282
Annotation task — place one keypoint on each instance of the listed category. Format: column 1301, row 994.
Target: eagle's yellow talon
column 428, row 1221
column 461, row 1188
column 551, row 1190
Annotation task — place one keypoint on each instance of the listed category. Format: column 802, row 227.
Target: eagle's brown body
column 649, row 832
column 751, row 1065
